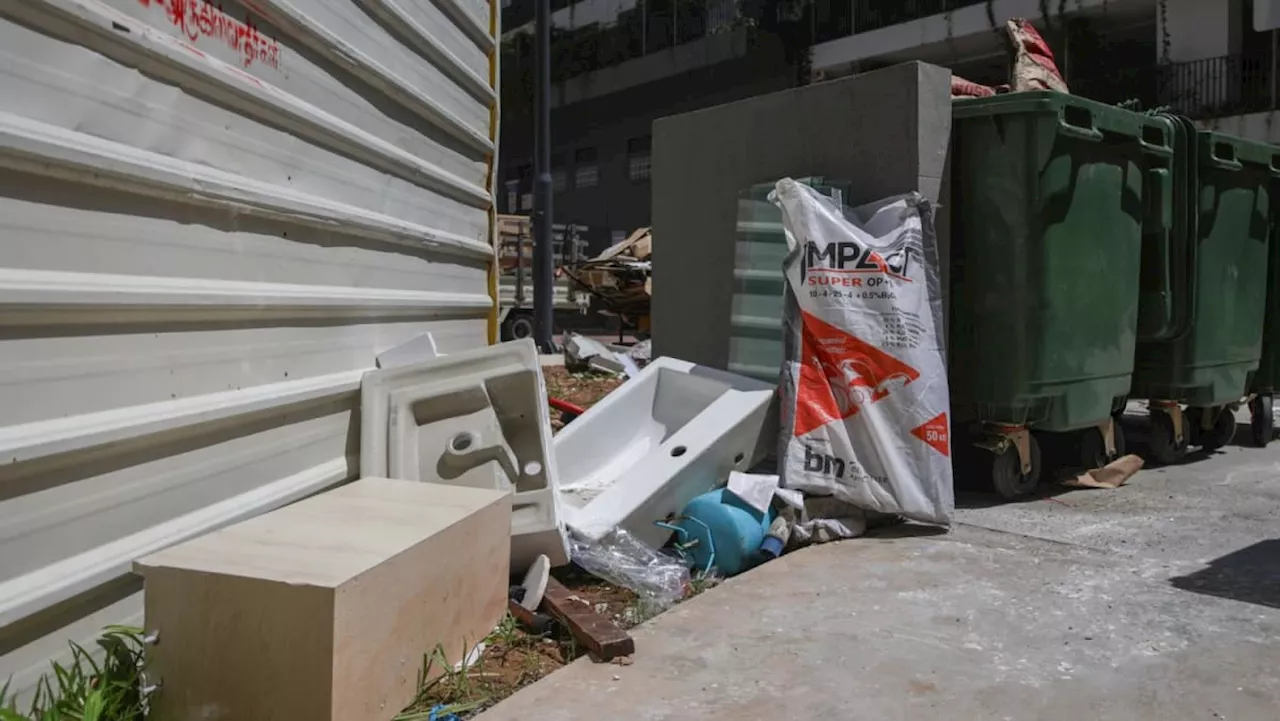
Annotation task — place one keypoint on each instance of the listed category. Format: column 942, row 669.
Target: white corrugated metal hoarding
column 213, row 216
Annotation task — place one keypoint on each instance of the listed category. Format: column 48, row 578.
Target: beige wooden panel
column 324, row 609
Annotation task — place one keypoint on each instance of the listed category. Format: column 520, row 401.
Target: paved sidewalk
column 1034, row 616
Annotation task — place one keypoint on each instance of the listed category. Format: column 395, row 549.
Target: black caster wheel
column 517, row 326
column 1224, row 429
column 1093, row 448
column 1007, row 477
column 1163, row 448
column 1262, row 425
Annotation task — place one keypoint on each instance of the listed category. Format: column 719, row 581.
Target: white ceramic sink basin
column 662, row 438
column 479, row 419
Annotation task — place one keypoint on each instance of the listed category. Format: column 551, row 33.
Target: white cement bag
column 865, row 410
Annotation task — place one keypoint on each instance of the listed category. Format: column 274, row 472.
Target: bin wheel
column 1093, row 448
column 1224, row 429
column 1163, row 448
column 1006, row 472
column 1262, row 424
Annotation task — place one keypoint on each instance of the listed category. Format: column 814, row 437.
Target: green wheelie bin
column 1200, row 339
column 1266, row 381
column 1050, row 208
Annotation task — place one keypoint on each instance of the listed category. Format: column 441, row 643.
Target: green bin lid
column 1091, row 114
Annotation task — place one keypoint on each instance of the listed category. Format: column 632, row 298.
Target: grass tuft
column 86, row 689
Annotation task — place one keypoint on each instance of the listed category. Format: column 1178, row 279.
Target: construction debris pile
column 663, row 484
column 620, row 278
column 468, row 498
column 587, row 354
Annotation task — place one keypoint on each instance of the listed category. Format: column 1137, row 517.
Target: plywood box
column 324, row 609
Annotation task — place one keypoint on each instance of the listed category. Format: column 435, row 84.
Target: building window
column 524, row 180
column 559, row 175
column 639, row 159
column 512, row 196
column 586, row 174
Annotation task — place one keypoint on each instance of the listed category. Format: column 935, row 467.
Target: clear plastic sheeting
column 623, row 560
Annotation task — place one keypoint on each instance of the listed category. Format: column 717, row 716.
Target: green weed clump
column 87, row 689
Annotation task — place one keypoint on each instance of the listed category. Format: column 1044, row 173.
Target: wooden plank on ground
column 533, row 622
column 598, row 634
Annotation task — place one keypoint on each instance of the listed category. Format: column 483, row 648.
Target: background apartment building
column 619, row 64
column 1204, row 58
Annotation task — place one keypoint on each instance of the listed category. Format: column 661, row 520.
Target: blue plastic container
column 719, row 531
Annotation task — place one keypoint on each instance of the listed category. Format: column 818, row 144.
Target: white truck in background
column 515, row 284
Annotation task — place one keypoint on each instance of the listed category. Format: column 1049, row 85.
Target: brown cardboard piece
column 1111, row 476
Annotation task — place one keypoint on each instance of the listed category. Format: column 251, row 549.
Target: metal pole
column 572, row 233
column 644, row 27
column 520, row 268
column 543, row 292
column 1275, row 64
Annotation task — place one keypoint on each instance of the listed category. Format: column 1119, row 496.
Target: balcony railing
column 1229, row 85
column 1209, row 88
column 875, row 14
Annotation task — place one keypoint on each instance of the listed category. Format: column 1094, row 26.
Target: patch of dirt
column 581, row 389
column 584, row 389
column 621, row 605
column 514, row 658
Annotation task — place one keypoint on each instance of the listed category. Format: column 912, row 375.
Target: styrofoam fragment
column 582, row 351
column 606, row 364
column 414, row 351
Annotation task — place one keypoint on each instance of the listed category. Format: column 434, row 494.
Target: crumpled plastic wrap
column 623, row 560
column 819, row 519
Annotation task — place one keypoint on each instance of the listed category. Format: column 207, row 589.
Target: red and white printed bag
column 865, row 408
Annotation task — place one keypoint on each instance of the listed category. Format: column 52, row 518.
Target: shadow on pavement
column 1251, row 575
column 904, row 530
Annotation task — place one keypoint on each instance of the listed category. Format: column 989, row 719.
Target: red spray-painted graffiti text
column 196, row 18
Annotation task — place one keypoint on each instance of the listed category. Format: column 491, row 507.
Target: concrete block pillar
column 887, row 132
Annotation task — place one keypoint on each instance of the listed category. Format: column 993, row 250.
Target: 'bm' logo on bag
column 822, row 463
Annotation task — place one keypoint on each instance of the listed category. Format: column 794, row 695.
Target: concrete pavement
column 1160, row 600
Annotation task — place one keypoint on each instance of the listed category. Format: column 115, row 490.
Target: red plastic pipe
column 565, row 406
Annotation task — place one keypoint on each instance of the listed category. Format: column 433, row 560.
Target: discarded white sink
column 479, row 419
column 662, row 438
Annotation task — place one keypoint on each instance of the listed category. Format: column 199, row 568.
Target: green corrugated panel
column 755, row 347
